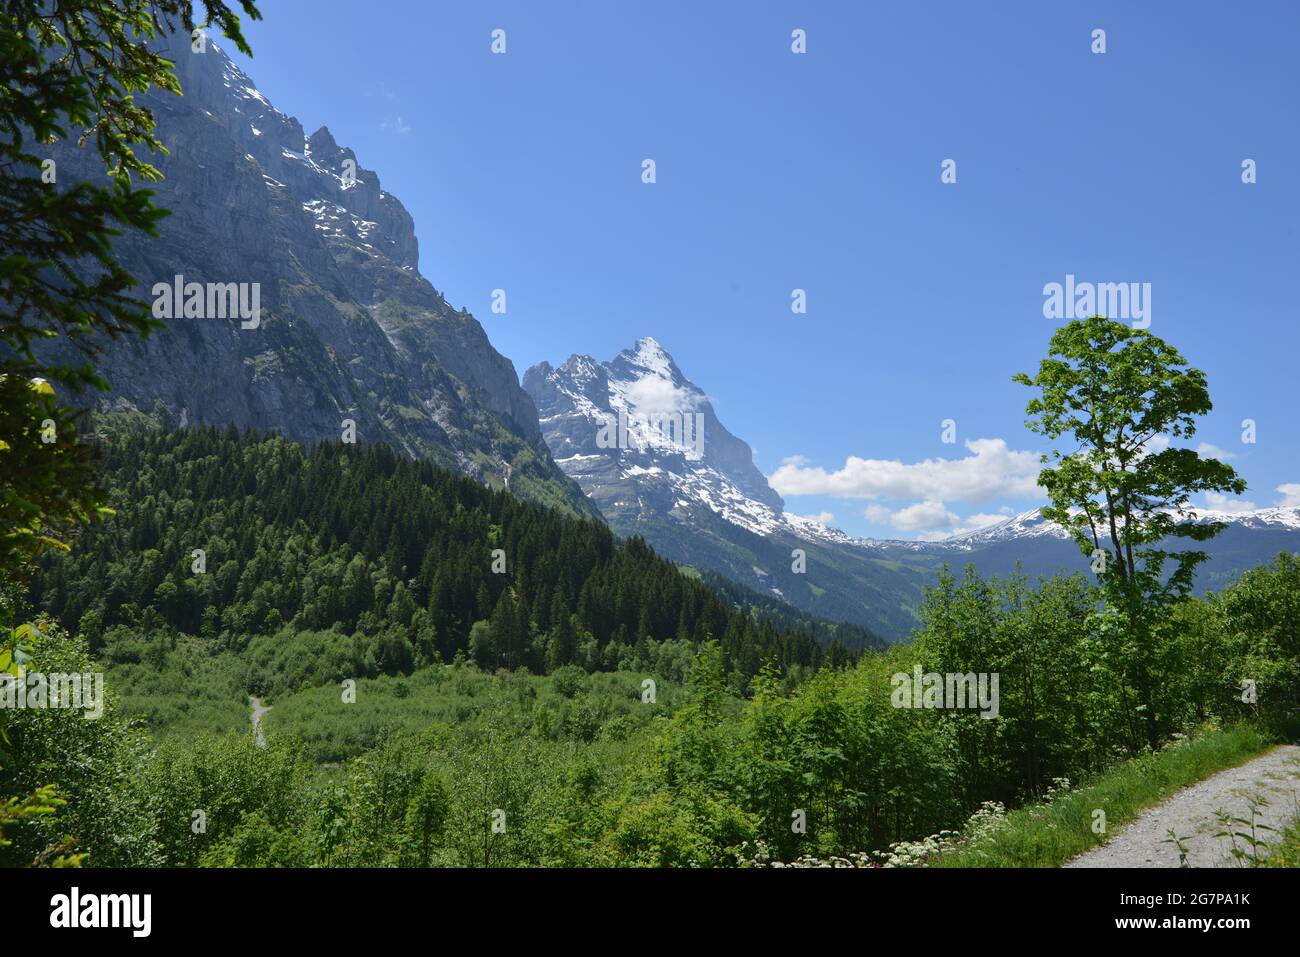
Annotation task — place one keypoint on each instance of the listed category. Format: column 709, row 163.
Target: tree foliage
column 1112, row 391
column 1115, row 394
column 71, row 69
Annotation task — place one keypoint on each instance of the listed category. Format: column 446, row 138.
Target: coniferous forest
column 405, row 564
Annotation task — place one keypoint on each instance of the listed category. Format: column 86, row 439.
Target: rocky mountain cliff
column 676, row 457
column 348, row 328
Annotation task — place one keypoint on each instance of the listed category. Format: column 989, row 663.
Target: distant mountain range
column 704, row 503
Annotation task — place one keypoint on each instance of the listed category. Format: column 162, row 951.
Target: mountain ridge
column 348, row 331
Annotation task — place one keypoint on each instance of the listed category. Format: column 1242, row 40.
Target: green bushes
column 1287, row 851
column 202, row 791
column 1069, row 705
column 857, row 771
column 1258, row 617
column 88, row 763
column 459, row 699
column 215, row 683
column 453, row 766
column 1062, row 707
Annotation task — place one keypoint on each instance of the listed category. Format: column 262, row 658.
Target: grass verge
column 1047, row 835
column 1287, row 851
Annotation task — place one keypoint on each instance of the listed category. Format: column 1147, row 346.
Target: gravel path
column 1191, row 813
column 259, row 711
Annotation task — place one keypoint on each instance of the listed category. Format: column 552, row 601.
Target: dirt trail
column 259, row 712
column 1192, row 815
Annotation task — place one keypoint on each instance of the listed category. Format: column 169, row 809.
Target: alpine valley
column 351, row 336
column 307, row 573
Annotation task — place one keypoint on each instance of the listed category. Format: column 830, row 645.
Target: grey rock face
column 349, row 329
column 643, row 440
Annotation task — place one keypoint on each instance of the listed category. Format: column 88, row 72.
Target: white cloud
column 1207, row 451
column 931, row 520
column 1156, row 444
column 1290, row 494
column 823, row 518
column 1233, row 506
column 991, row 471
column 397, row 126
column 973, row 523
column 877, row 514
column 924, row 517
column 654, row 394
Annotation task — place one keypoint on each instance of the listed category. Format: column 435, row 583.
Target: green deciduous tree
column 71, row 69
column 1116, row 394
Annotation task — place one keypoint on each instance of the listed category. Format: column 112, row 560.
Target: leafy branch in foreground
column 71, row 68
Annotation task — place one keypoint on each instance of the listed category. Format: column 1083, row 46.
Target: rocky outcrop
column 348, row 328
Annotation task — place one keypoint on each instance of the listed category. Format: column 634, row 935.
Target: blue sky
column 821, row 171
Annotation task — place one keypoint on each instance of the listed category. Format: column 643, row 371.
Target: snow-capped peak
column 636, row 422
column 1284, row 516
column 646, row 358
column 650, row 355
column 1028, row 524
column 1032, row 524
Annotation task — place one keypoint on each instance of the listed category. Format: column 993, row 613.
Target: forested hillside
column 399, row 563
